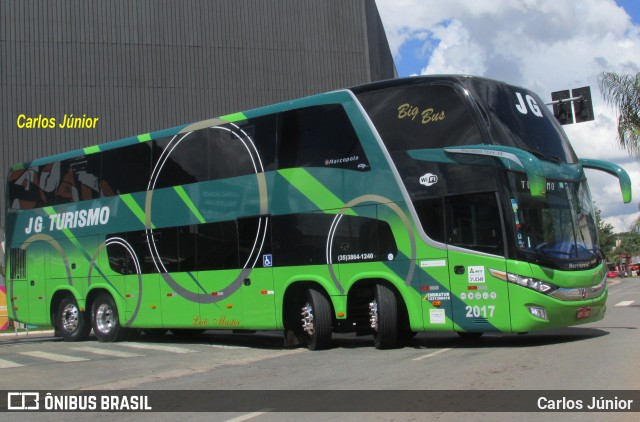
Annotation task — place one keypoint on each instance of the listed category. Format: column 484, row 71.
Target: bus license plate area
column 583, row 313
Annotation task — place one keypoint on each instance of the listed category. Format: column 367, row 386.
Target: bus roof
column 323, row 98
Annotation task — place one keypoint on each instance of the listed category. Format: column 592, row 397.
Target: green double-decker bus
column 443, row 203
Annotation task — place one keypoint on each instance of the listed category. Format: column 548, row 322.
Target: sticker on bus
column 476, row 274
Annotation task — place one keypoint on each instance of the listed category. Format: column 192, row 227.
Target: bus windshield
column 558, row 229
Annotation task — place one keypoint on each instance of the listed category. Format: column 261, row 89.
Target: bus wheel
column 71, row 323
column 316, row 320
column 383, row 316
column 105, row 320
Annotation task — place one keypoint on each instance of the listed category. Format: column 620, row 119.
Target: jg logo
column 23, row 401
column 428, row 179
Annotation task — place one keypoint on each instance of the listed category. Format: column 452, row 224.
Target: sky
column 542, row 45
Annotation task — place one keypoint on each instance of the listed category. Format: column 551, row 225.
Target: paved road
column 597, row 356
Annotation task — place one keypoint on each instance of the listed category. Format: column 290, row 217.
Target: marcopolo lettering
column 70, row 220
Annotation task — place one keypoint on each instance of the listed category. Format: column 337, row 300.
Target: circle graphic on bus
column 379, row 200
column 130, row 252
column 234, row 154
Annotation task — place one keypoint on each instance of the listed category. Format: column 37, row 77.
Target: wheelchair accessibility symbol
column 267, row 260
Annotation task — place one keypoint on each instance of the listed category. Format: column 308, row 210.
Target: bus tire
column 383, row 313
column 316, row 326
column 71, row 323
column 105, row 320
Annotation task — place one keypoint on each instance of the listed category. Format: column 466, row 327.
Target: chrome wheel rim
column 104, row 318
column 373, row 315
column 70, row 317
column 307, row 318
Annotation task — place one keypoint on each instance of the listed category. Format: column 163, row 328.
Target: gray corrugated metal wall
column 146, row 65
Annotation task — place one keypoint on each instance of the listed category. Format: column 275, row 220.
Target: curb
column 26, row 333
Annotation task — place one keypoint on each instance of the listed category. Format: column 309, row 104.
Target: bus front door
column 476, row 249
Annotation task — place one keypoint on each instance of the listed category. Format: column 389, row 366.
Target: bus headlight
column 538, row 312
column 531, row 283
column 528, row 282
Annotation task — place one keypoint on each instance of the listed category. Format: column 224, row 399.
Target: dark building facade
column 140, row 66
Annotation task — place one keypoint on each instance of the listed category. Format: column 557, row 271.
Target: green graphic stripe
column 91, row 150
column 135, row 208
column 313, row 190
column 189, row 203
column 235, row 117
column 50, row 211
column 144, row 138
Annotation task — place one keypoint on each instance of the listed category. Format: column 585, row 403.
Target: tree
column 623, row 93
column 635, row 226
column 606, row 234
column 629, row 244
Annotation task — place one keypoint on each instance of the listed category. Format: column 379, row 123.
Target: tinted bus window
column 473, row 222
column 211, row 246
column 120, row 259
column 24, row 189
column 431, row 214
column 301, row 239
column 60, row 182
column 420, row 116
column 215, row 153
column 319, row 136
column 520, row 119
column 126, row 169
column 86, row 176
column 217, row 245
column 78, row 179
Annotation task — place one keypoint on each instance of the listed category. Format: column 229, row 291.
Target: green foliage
column 623, row 93
column 629, row 243
column 635, row 227
column 606, row 234
column 615, row 245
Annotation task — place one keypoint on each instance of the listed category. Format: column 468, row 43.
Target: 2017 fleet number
column 480, row 311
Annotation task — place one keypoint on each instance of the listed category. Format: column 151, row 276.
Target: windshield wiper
column 540, row 155
column 535, row 152
column 596, row 251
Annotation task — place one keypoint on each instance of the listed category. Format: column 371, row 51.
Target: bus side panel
column 224, row 309
column 177, row 310
column 258, row 299
column 36, row 284
column 142, row 300
column 18, row 300
column 480, row 300
column 436, row 297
